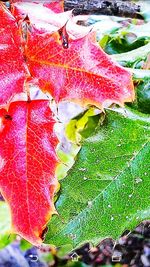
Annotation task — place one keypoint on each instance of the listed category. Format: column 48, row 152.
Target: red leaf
column 12, row 67
column 28, row 163
column 82, row 73
column 43, row 17
column 56, row 6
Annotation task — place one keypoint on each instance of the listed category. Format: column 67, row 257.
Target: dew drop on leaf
column 119, row 145
column 72, row 236
column 82, row 169
column 138, row 180
column 89, row 204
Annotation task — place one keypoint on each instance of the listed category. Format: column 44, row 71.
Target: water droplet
column 119, row 145
column 82, row 169
column 72, row 236
column 138, row 180
column 112, row 218
column 130, row 195
column 109, row 206
column 85, row 178
column 89, row 203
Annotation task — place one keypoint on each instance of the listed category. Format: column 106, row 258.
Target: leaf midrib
column 66, row 67
column 102, row 192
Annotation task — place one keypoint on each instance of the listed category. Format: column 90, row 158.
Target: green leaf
column 125, row 38
column 142, row 102
column 143, row 96
column 133, row 55
column 66, row 160
column 82, row 126
column 79, row 127
column 103, row 42
column 122, row 44
column 107, row 189
column 24, row 245
column 5, row 225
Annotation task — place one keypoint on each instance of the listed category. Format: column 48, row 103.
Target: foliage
column 125, row 39
column 28, row 126
column 106, row 190
column 5, row 222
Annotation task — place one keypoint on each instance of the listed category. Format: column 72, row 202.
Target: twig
column 105, row 7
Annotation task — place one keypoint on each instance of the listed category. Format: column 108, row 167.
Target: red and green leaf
column 69, row 69
column 28, row 163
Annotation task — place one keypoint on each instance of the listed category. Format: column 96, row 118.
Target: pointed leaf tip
column 87, row 75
